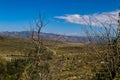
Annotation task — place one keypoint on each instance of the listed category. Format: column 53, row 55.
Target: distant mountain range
column 49, row 36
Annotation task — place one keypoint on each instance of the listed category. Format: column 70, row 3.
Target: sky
column 64, row 16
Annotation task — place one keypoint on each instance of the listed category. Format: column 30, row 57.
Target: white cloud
column 96, row 19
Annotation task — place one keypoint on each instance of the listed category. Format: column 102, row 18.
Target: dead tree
column 34, row 67
column 36, row 33
column 108, row 37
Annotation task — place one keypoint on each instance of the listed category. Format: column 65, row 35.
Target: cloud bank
column 106, row 18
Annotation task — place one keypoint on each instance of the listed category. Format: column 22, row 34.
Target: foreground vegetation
column 69, row 61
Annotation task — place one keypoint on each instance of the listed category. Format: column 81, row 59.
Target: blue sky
column 63, row 15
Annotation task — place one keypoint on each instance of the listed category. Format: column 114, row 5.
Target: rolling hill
column 48, row 36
